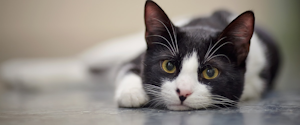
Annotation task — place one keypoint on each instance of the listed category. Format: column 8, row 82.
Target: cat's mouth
column 179, row 107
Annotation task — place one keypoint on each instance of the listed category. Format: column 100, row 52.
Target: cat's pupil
column 169, row 66
column 210, row 72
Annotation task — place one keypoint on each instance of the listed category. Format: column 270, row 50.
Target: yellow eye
column 168, row 66
column 210, row 73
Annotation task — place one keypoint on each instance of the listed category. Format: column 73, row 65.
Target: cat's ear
column 156, row 21
column 239, row 32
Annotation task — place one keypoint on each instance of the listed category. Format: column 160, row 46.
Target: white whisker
column 214, row 46
column 167, row 30
column 165, row 40
column 165, row 46
column 218, row 48
column 175, row 37
column 218, row 56
column 207, row 52
column 217, row 99
column 151, row 86
column 151, row 89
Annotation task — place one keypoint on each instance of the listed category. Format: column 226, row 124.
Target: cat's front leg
column 130, row 92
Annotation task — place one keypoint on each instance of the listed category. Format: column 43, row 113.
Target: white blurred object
column 114, row 52
column 52, row 73
column 42, row 73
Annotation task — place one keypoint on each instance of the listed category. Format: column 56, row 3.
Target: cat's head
column 194, row 67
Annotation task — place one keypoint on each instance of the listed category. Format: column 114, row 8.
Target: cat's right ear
column 156, row 21
column 239, row 32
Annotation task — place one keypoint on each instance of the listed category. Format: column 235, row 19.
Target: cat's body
column 203, row 63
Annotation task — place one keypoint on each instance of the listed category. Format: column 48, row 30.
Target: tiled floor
column 93, row 104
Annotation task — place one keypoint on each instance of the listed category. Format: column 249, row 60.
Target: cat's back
column 217, row 21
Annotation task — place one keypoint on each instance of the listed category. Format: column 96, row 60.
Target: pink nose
column 183, row 94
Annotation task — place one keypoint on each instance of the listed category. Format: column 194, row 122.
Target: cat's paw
column 132, row 98
column 130, row 92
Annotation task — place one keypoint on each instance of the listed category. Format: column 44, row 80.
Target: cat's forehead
column 196, row 39
column 200, row 32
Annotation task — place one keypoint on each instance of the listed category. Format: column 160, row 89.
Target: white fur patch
column 187, row 79
column 130, row 92
column 255, row 63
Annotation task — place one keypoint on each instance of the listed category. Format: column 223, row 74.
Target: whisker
column 221, row 97
column 217, row 99
column 219, row 55
column 166, row 29
column 222, row 102
column 157, row 102
column 154, row 102
column 165, row 46
column 175, row 37
column 151, row 88
column 214, row 106
column 164, row 39
column 152, row 93
column 219, row 48
column 149, row 85
column 214, row 46
column 206, row 54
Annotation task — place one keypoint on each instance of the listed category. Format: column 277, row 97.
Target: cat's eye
column 210, row 73
column 168, row 66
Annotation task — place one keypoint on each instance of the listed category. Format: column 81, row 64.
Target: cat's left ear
column 239, row 32
column 156, row 21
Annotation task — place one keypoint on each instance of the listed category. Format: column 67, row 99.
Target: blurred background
column 65, row 28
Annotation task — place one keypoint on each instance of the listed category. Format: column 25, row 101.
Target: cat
column 209, row 62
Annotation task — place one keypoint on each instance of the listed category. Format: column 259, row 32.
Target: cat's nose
column 183, row 93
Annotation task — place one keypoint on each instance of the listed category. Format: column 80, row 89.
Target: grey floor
column 93, row 104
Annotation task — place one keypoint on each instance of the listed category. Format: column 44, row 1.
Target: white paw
column 130, row 92
column 253, row 89
column 132, row 98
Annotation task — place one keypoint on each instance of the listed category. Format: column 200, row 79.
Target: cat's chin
column 178, row 107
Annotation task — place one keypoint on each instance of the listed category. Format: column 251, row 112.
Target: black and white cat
column 207, row 62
